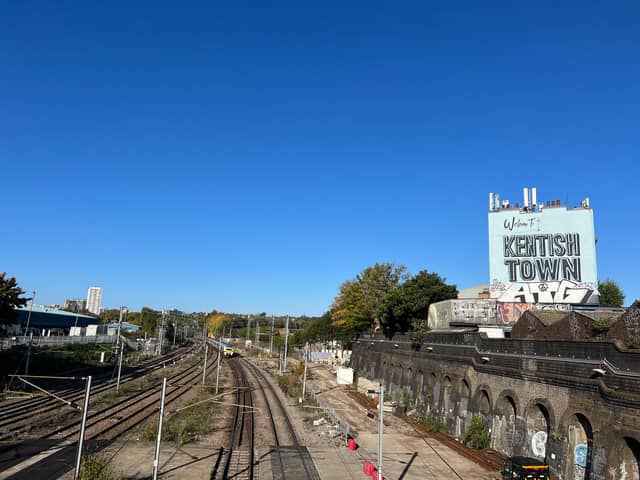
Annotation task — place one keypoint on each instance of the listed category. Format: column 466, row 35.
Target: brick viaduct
column 575, row 404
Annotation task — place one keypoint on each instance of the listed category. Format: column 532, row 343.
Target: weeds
column 94, row 467
column 478, row 434
column 432, row 424
column 186, row 426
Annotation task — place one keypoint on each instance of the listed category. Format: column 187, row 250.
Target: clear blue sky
column 251, row 157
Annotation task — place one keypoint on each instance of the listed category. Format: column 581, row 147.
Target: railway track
column 239, row 455
column 16, row 418
column 109, row 422
column 289, row 460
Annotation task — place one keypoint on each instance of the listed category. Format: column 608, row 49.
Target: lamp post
column 286, row 343
column 26, row 368
column 119, row 325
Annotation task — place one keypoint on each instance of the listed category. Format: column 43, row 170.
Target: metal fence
column 57, row 340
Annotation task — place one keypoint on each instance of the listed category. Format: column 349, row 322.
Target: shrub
column 94, row 467
column 478, row 434
column 432, row 424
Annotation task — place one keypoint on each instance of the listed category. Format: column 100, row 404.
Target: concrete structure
column 94, row 300
column 573, row 404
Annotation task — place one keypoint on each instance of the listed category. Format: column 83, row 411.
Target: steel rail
column 292, row 433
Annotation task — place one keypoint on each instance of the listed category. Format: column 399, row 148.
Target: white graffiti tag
column 548, row 292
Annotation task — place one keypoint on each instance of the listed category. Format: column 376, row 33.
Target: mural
column 510, row 312
column 566, row 291
column 539, row 444
column 543, row 256
column 484, row 312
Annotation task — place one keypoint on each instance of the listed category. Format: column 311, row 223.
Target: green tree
column 10, row 298
column 317, row 330
column 409, row 302
column 611, row 294
column 359, row 302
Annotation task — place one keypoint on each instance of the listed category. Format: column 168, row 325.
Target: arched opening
column 465, row 395
column 436, row 390
column 538, row 423
column 580, row 437
column 504, row 425
column 419, row 388
column 427, row 390
column 463, row 407
column 447, row 397
column 484, row 404
column 630, row 465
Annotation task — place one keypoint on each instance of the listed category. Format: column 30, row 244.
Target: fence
column 58, row 340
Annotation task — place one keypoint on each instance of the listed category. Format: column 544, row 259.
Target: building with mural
column 542, row 257
column 542, row 254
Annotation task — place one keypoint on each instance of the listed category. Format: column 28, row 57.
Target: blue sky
column 250, row 157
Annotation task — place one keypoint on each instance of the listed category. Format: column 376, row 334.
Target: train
column 226, row 349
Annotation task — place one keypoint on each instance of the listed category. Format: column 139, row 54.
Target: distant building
column 40, row 318
column 94, row 300
column 75, row 304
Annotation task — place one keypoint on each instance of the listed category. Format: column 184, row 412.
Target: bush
column 94, row 467
column 290, row 385
column 432, row 424
column 602, row 325
column 478, row 434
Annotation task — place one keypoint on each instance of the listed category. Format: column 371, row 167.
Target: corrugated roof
column 53, row 311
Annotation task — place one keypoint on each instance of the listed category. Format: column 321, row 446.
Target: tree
column 317, row 329
column 409, row 303
column 611, row 294
column 215, row 321
column 10, row 298
column 359, row 302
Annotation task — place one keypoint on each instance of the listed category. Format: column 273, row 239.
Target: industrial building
column 44, row 320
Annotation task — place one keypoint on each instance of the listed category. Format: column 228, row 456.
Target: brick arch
column 625, row 456
column 539, row 420
column 448, row 394
column 505, row 435
column 482, row 400
column 578, row 428
column 532, row 404
column 515, row 401
column 407, row 376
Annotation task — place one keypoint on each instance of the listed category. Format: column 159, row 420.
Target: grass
column 95, row 467
column 432, row 424
column 186, row 426
column 290, row 385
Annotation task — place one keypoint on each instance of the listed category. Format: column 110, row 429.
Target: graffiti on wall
column 539, row 444
column 545, row 256
column 564, row 291
column 510, row 312
column 483, row 311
